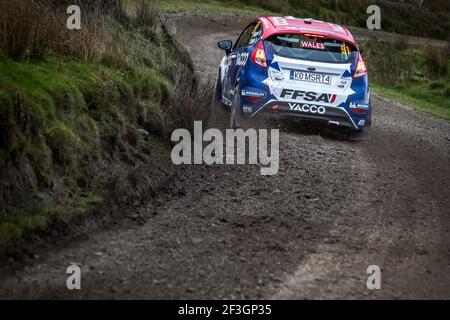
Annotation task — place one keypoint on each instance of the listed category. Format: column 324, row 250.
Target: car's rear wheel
column 220, row 112
column 218, row 93
column 369, row 119
column 235, row 118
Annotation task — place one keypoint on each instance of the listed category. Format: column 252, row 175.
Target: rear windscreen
column 299, row 46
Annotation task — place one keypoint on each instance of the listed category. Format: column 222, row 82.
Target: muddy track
column 311, row 231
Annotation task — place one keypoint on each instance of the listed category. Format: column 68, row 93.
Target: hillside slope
column 83, row 113
column 431, row 20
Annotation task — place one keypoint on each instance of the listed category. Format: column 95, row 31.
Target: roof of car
column 274, row 25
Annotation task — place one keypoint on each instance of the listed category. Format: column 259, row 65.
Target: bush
column 275, row 5
column 35, row 29
column 25, row 29
column 437, row 85
column 146, row 13
column 447, row 91
column 146, row 17
column 386, row 64
column 190, row 101
column 436, row 62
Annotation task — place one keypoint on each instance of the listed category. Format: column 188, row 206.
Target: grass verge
column 211, row 6
column 417, row 77
column 417, row 97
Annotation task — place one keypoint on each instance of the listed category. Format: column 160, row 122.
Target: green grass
column 17, row 223
column 416, row 77
column 43, row 83
column 13, row 226
column 210, row 6
column 420, row 97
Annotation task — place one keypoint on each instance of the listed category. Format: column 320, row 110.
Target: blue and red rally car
column 295, row 67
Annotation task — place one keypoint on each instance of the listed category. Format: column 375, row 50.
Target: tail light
column 359, row 111
column 259, row 55
column 361, row 69
column 254, row 99
column 313, row 35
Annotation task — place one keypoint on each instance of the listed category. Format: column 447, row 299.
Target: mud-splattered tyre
column 219, row 117
column 218, row 94
column 235, row 116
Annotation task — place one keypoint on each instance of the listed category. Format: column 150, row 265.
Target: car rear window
column 299, row 46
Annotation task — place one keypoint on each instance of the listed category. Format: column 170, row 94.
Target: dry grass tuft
column 36, row 29
column 436, row 63
column 191, row 100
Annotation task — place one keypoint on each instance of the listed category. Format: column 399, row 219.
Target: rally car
column 295, row 67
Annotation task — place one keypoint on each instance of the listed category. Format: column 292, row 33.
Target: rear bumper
column 330, row 115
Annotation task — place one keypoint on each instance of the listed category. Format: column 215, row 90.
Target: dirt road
column 311, row 231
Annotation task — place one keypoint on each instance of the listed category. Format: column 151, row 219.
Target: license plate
column 310, row 76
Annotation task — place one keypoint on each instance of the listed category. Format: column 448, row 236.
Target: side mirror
column 226, row 45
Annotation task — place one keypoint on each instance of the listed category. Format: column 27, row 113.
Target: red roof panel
column 274, row 25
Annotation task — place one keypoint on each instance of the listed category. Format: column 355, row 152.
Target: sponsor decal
column 345, row 50
column 253, row 92
column 293, row 18
column 343, row 83
column 276, row 75
column 336, row 27
column 356, row 105
column 242, row 59
column 307, row 108
column 256, row 34
column 308, row 96
column 255, row 38
column 247, row 109
column 312, row 45
column 279, row 21
column 226, row 101
column 313, row 30
column 301, row 19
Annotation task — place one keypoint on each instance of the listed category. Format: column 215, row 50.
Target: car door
column 239, row 57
